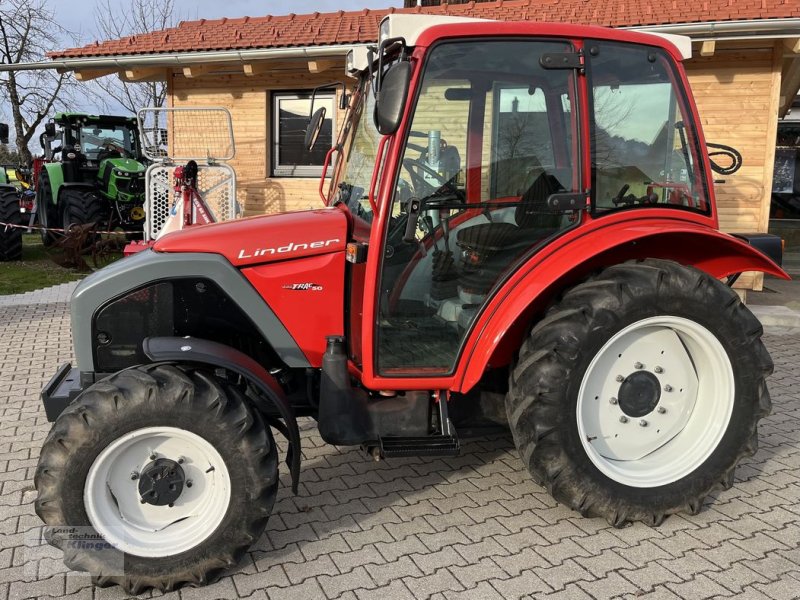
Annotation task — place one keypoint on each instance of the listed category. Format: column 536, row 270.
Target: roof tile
column 321, row 29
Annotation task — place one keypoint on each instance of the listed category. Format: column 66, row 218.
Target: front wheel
column 82, row 207
column 639, row 392
column 46, row 210
column 167, row 465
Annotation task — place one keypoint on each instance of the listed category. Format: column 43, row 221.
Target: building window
column 290, row 116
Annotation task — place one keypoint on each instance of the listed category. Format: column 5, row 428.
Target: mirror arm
column 382, row 50
column 371, row 71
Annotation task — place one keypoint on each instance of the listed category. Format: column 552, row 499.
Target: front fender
column 500, row 329
column 55, row 176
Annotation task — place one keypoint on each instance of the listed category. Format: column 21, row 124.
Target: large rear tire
column 138, row 428
column 639, row 392
column 11, row 237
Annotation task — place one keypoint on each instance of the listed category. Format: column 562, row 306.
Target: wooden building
column 745, row 73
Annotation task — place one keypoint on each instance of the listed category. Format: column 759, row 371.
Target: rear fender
column 499, row 331
column 205, row 352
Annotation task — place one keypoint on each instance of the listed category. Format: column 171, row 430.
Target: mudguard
column 196, row 350
column 55, row 175
column 532, row 288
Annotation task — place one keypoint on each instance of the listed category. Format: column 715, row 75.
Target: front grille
column 134, row 185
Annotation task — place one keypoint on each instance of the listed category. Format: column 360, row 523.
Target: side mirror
column 391, row 98
column 50, row 129
column 3, row 133
column 314, row 128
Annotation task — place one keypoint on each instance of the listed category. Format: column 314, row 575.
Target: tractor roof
column 425, row 29
column 87, row 119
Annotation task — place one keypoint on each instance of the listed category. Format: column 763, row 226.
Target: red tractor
column 520, row 228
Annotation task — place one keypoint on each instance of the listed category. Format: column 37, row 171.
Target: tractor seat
column 531, row 218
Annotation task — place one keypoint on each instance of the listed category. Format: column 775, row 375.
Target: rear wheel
column 166, row 464
column 638, row 393
column 10, row 237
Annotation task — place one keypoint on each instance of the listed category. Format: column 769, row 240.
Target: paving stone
column 472, row 527
column 524, row 585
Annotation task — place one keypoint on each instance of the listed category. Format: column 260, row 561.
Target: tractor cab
column 506, row 146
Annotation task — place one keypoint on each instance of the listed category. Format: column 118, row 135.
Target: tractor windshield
column 109, row 141
column 359, row 141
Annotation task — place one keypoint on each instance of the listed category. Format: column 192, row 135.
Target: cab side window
column 644, row 152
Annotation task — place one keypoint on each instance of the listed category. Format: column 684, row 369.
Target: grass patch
column 36, row 270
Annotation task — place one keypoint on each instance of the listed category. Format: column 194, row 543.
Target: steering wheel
column 620, row 197
column 414, row 166
column 423, row 188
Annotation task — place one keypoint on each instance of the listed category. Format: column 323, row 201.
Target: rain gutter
column 182, row 59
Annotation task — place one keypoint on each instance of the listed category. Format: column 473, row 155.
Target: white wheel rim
column 687, row 422
column 113, row 503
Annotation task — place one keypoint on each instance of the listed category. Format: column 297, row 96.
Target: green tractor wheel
column 11, row 237
column 80, row 207
column 45, row 210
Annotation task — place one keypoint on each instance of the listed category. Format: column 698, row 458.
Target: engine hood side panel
column 264, row 239
column 146, row 267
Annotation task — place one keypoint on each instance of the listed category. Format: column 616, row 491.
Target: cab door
column 492, row 141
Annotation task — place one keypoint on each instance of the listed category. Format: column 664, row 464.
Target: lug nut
column 620, row 378
column 661, row 410
column 153, row 456
column 134, row 476
column 181, row 460
column 668, row 388
column 643, row 423
column 613, row 400
column 142, row 501
column 638, row 365
column 623, row 419
column 188, row 483
column 658, row 370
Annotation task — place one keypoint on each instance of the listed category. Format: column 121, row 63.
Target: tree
column 27, row 30
column 115, row 21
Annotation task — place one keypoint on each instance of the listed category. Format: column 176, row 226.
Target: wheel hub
column 639, row 394
column 161, row 482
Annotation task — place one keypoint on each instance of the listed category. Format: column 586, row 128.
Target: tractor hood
column 264, row 239
column 126, row 165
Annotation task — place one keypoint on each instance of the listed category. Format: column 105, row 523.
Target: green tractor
column 94, row 173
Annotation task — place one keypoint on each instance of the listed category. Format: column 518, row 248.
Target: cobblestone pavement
column 468, row 527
